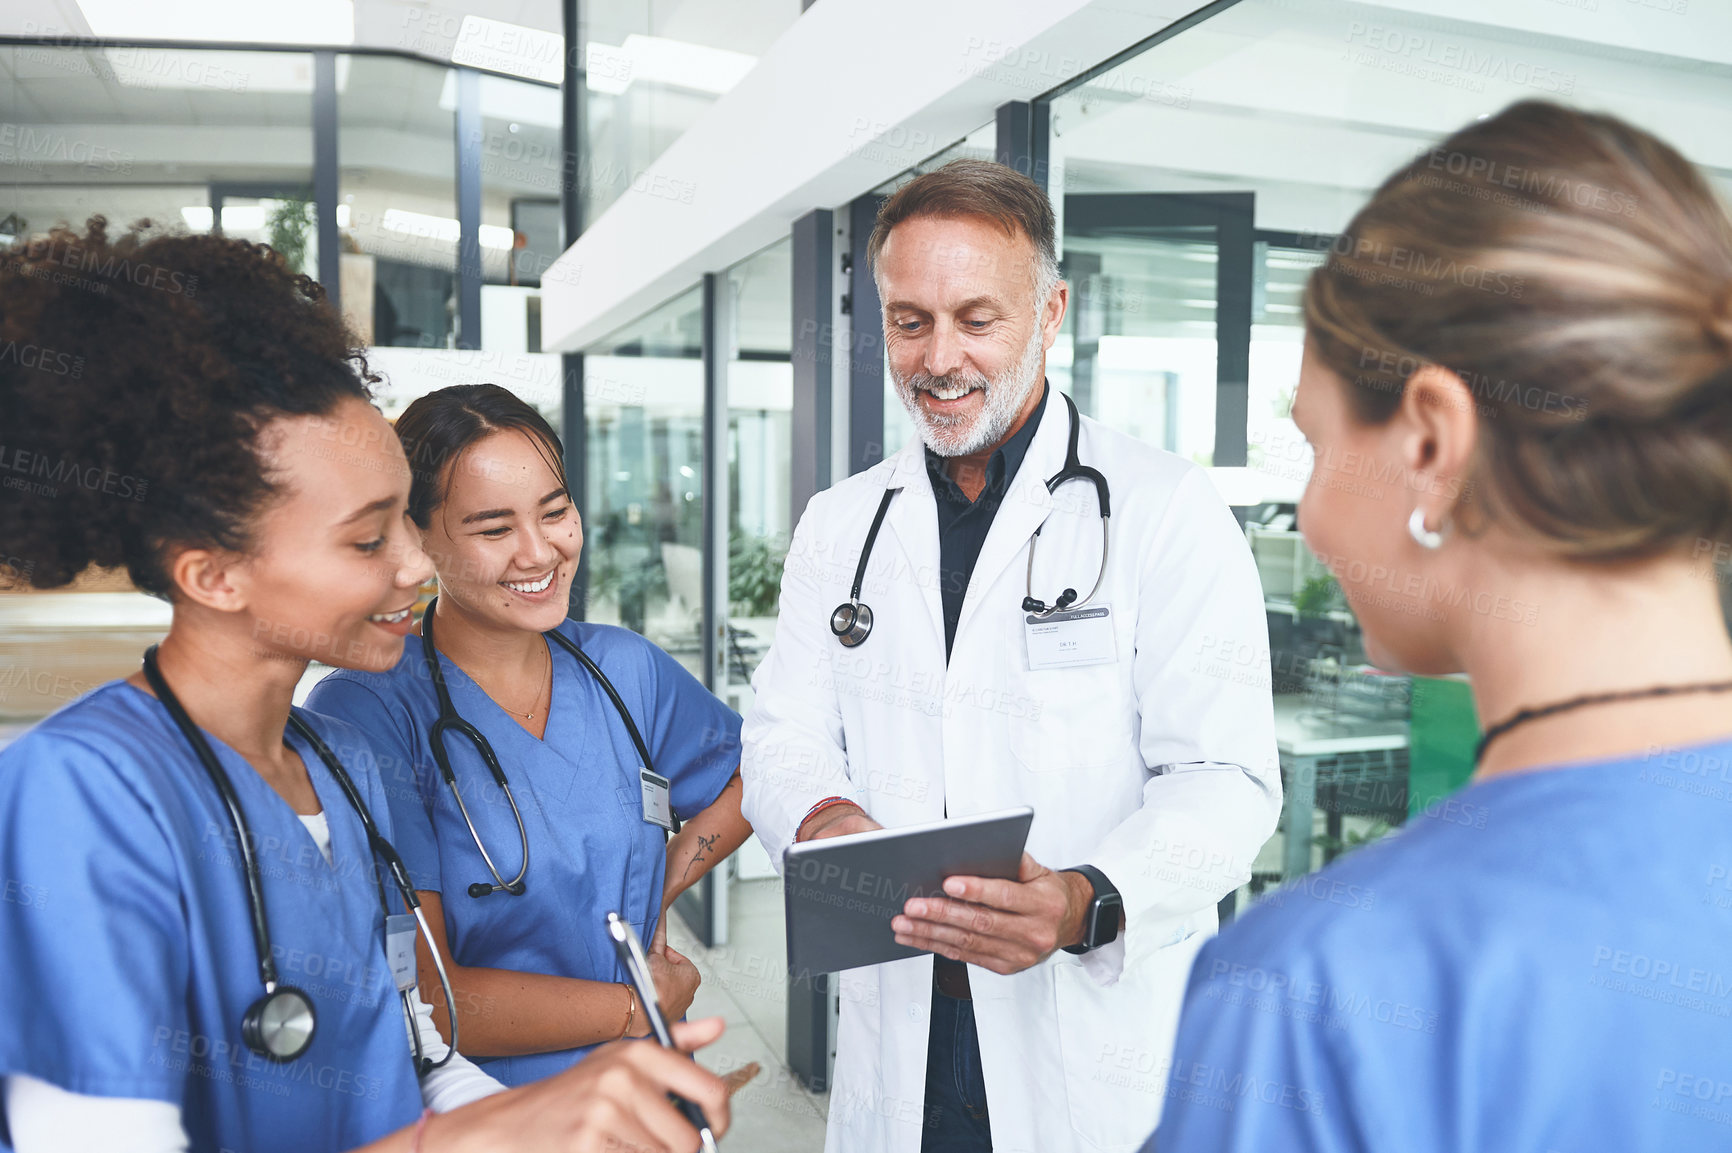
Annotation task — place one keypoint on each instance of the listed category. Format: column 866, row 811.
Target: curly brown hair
column 135, row 377
column 1576, row 273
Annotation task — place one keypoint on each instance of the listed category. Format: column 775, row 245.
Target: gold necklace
column 546, row 683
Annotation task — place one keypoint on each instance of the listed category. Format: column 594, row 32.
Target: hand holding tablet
column 842, row 892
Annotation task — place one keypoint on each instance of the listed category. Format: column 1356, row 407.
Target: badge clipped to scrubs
column 1071, row 639
column 400, row 949
column 657, row 805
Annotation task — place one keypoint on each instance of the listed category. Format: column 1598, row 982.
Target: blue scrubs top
column 126, row 954
column 1543, row 962
column 590, row 850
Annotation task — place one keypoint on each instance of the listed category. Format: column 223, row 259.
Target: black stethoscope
column 280, row 1025
column 852, row 619
column 450, row 721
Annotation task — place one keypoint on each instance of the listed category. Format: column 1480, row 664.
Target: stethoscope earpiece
column 280, row 1025
column 482, row 889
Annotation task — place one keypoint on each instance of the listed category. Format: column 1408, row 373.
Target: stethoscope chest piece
column 280, row 1025
column 851, row 620
column 852, row 623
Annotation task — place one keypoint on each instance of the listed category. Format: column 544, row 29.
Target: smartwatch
column 1101, row 922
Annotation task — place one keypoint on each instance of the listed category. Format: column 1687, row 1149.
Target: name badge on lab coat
column 657, row 808
column 400, row 949
column 1071, row 639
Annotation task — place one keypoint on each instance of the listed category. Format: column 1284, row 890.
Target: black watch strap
column 1101, row 922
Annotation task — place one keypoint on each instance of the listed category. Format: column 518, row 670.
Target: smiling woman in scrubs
column 198, row 418
column 1529, row 331
column 534, row 975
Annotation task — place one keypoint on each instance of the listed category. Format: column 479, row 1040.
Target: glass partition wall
column 760, row 399
column 1198, row 183
column 189, row 140
column 198, row 140
column 644, row 451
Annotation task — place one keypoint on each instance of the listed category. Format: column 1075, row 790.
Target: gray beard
column 1005, row 396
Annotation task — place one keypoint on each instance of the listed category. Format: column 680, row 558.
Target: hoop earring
column 1422, row 536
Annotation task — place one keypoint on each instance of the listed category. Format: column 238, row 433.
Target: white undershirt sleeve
column 44, row 1118
column 455, row 1084
column 459, row 1081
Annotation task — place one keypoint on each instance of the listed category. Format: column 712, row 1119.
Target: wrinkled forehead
column 951, row 259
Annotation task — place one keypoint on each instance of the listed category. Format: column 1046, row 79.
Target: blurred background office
column 648, row 218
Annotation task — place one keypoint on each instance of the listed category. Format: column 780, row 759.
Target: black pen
column 631, row 955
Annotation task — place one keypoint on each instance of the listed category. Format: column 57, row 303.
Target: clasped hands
column 1002, row 926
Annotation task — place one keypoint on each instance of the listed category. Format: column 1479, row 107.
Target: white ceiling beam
column 853, row 93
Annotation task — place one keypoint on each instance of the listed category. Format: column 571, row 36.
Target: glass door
column 1157, row 339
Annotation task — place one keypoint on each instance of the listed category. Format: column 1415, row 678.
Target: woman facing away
column 1530, row 328
column 536, row 765
column 215, row 955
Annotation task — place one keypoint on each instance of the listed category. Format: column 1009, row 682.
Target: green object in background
column 754, row 575
column 1441, row 737
column 289, row 225
column 1318, row 596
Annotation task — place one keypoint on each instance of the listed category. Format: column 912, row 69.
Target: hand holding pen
column 636, row 964
column 625, row 1095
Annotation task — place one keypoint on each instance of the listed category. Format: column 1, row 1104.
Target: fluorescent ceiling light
column 443, row 228
column 501, row 47
column 218, row 71
column 247, row 21
column 246, row 217
column 656, row 60
column 236, row 217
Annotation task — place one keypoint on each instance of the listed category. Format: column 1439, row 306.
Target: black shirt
column 963, row 524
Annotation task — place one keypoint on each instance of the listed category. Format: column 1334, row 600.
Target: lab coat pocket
column 1117, row 1044
column 1068, row 719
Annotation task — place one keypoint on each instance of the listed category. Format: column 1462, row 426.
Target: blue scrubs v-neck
column 131, row 976
column 591, row 852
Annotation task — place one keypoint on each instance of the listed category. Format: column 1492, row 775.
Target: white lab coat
column 1158, row 768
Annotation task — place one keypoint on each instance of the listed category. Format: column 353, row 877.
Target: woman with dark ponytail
column 602, row 740
column 213, row 957
column 1529, row 330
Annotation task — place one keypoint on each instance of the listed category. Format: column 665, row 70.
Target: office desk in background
column 1332, row 750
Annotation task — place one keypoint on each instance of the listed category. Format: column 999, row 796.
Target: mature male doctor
column 1141, row 735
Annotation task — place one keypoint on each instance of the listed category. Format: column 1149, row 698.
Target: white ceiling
column 1302, row 102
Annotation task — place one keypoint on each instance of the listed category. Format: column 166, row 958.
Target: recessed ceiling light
column 304, row 22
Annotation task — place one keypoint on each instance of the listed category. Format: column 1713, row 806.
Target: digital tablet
column 841, row 892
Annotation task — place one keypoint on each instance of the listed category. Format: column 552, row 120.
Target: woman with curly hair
column 1529, row 329
column 194, row 840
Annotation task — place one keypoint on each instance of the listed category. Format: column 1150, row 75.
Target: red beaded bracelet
column 826, row 803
